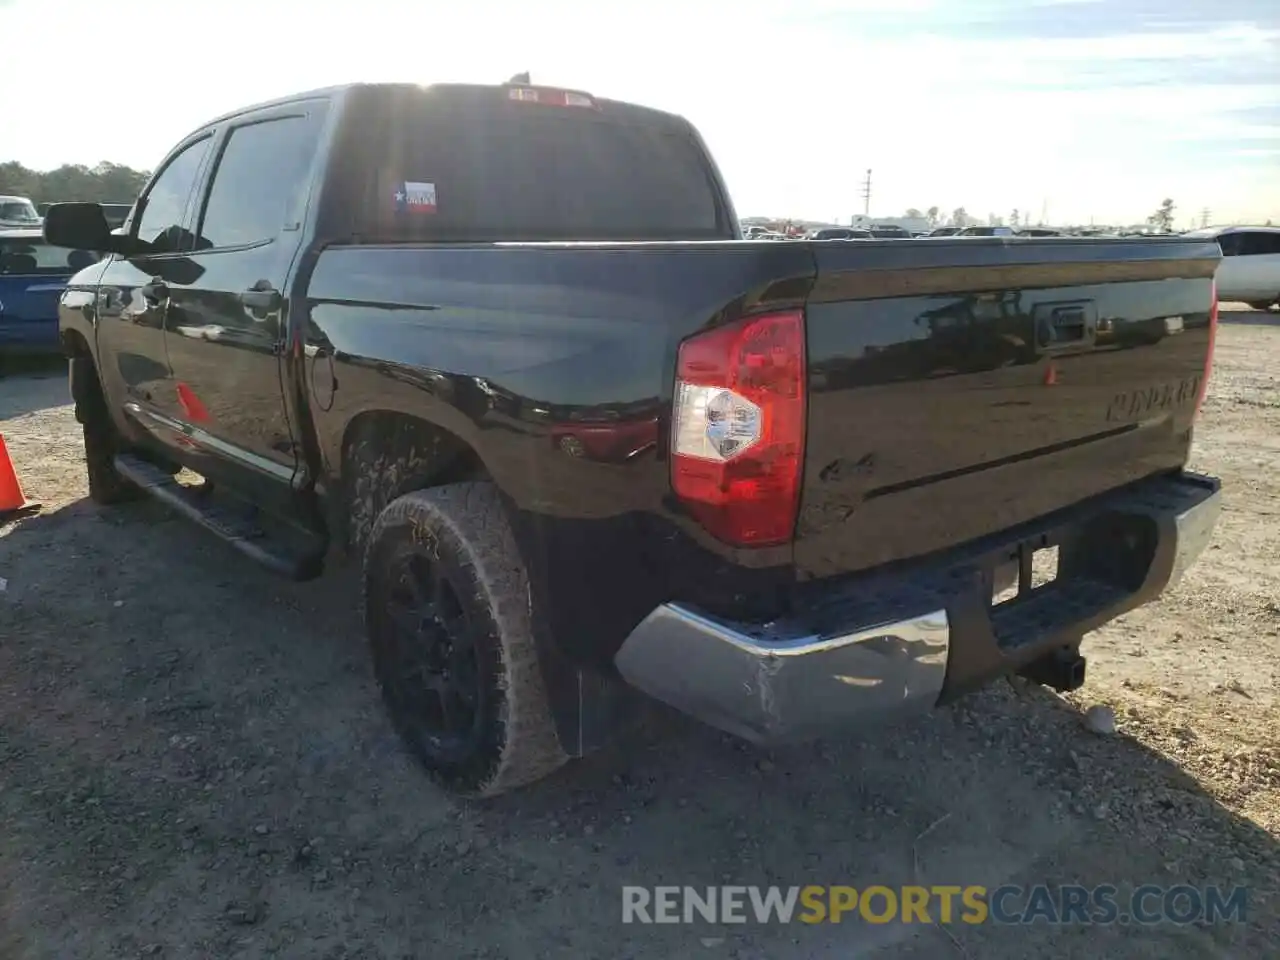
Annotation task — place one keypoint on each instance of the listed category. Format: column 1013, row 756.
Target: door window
column 164, row 222
column 261, row 177
column 1258, row 243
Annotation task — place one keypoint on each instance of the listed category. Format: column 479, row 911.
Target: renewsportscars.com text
column 1060, row 904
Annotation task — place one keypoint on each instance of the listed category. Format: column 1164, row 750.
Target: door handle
column 155, row 291
column 262, row 298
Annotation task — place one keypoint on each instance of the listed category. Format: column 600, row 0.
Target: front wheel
column 101, row 444
column 447, row 611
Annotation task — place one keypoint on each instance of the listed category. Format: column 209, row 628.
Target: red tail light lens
column 1213, row 337
column 737, row 432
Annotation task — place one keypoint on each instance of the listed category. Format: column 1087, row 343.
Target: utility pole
column 866, row 195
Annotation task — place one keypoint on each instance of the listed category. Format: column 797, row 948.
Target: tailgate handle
column 1066, row 326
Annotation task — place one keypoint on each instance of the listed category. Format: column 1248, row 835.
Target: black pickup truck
column 506, row 346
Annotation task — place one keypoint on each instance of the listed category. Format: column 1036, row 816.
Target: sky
column 1077, row 109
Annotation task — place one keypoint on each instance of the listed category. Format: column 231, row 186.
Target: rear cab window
column 458, row 163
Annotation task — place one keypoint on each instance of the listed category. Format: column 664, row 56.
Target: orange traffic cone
column 11, row 498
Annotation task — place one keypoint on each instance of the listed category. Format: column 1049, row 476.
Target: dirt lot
column 193, row 762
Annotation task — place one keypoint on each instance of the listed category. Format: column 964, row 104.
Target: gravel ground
column 194, row 763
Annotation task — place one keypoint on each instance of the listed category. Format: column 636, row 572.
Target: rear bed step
column 240, row 531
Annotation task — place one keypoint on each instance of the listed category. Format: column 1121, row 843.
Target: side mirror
column 81, row 226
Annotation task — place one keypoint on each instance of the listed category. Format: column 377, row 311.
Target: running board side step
column 241, row 533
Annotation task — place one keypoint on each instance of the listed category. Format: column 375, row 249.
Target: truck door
column 224, row 329
column 132, row 297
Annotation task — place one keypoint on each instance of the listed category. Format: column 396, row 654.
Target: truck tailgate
column 958, row 388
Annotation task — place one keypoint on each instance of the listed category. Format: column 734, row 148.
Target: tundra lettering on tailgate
column 1165, row 396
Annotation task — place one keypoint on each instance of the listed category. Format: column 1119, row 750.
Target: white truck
column 18, row 212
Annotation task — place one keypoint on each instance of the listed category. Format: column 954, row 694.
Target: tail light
column 737, row 433
column 1208, row 356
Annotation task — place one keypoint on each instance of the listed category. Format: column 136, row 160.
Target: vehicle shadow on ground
column 31, row 384
column 1246, row 318
column 194, row 761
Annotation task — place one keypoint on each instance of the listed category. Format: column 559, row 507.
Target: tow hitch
column 1063, row 670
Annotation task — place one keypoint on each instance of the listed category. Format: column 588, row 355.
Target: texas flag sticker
column 415, row 197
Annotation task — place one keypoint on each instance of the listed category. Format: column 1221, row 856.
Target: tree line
column 105, row 183
column 1162, row 219
column 959, row 217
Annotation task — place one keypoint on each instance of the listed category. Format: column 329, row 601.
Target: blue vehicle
column 32, row 276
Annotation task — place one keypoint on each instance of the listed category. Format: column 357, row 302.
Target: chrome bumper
column 780, row 682
column 1194, row 525
column 768, row 690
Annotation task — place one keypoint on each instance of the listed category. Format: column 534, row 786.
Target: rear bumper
column 902, row 641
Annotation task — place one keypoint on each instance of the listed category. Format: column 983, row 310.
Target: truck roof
column 458, row 89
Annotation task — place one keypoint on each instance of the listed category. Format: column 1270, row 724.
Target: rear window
column 22, row 257
column 473, row 165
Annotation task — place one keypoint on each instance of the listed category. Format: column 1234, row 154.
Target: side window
column 164, row 218
column 1230, row 244
column 259, row 180
column 1259, row 244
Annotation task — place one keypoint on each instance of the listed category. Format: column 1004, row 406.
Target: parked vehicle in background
column 840, row 233
column 774, row 485
column 1039, row 232
column 944, row 231
column 889, row 232
column 986, row 232
column 1250, row 268
column 33, row 275
column 18, row 212
column 116, row 213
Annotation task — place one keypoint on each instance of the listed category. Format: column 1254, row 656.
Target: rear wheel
column 447, row 611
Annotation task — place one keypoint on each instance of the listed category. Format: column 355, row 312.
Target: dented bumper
column 901, row 642
column 767, row 689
